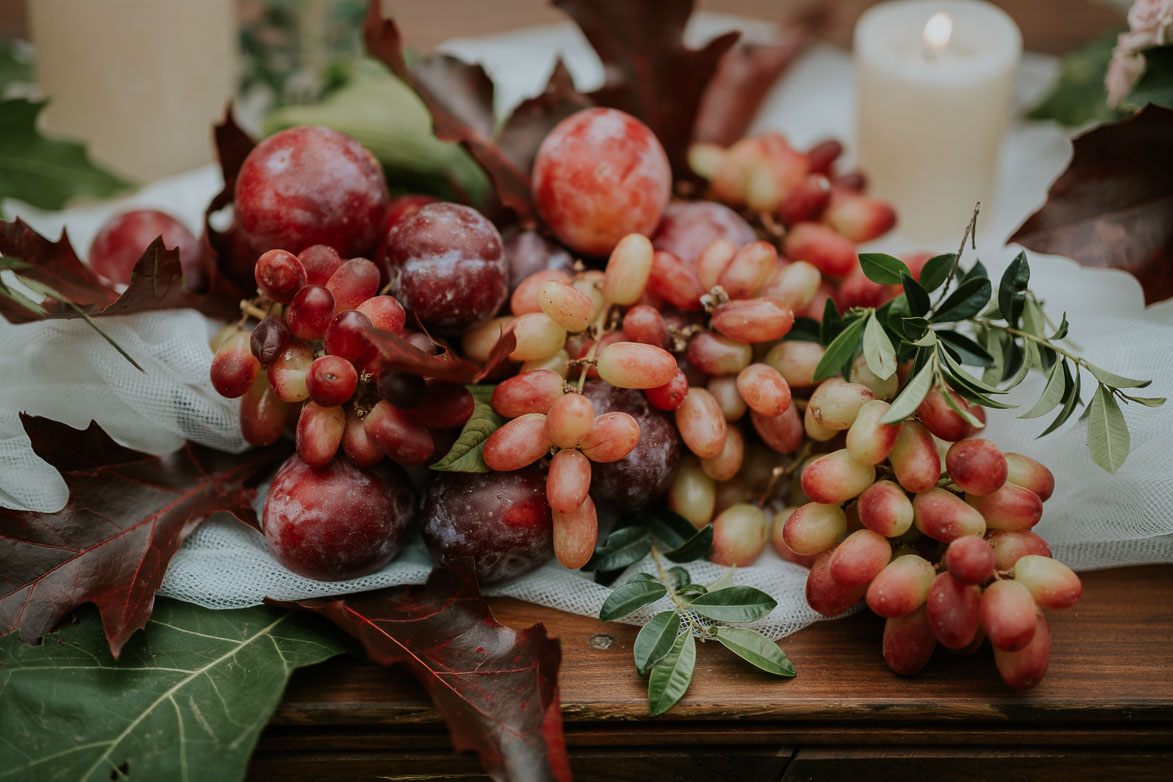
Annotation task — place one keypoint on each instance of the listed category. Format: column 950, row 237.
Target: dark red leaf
column 745, row 75
column 650, row 72
column 399, row 355
column 156, row 283
column 535, row 117
column 498, row 356
column 459, row 97
column 128, row 513
column 231, row 259
column 496, row 687
column 1113, row 206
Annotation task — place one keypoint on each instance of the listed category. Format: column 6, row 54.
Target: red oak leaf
column 1113, row 206
column 156, row 282
column 496, row 687
column 745, row 75
column 232, row 258
column 651, row 74
column 459, row 97
column 524, row 130
column 128, row 513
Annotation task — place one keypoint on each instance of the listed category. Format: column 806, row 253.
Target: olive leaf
column 630, row 597
column 756, row 649
column 655, row 640
column 1107, row 433
column 467, row 453
column 672, row 675
column 734, row 604
column 877, row 349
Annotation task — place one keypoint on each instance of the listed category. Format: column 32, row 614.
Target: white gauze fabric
column 1095, row 520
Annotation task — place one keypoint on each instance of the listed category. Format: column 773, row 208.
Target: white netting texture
column 64, row 371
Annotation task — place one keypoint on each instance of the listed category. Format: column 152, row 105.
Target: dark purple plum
column 528, row 252
column 688, row 227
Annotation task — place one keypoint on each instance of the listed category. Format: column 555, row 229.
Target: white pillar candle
column 934, row 88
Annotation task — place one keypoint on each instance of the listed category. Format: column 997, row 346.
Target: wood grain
column 1105, row 708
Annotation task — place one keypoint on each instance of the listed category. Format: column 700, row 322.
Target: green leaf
column 969, row 351
column 41, row 171
column 45, row 290
column 669, row 527
column 1027, row 354
column 1070, row 400
column 187, row 699
column 967, row 378
column 804, row 330
column 467, row 453
column 969, row 417
column 884, row 269
column 1156, row 83
column 641, row 577
column 756, row 649
column 681, row 578
column 914, row 328
column 1052, row 393
column 965, row 302
column 1113, row 380
column 877, row 349
column 672, row 675
column 975, row 272
column 15, row 67
column 629, row 597
column 913, row 394
column 831, row 324
column 623, row 547
column 734, row 604
column 936, row 271
column 1012, row 289
column 655, row 640
column 1147, row 401
column 992, row 342
column 916, row 296
column 725, row 580
column 694, row 548
column 1061, row 331
column 1107, row 433
column 840, row 351
column 1078, row 97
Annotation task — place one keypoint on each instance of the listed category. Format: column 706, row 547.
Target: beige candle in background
column 141, row 81
column 934, row 88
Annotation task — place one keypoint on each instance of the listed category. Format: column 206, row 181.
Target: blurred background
column 120, row 71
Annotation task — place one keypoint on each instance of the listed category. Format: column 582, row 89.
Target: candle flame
column 938, row 31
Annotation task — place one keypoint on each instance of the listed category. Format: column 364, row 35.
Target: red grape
column 263, row 416
column 575, row 533
column 908, row 642
column 970, row 559
column 346, row 335
column 944, row 516
column 901, row 587
column 398, row 434
column 1012, row 545
column 385, row 313
column 782, row 433
column 826, row 595
column 860, row 558
column 518, row 443
column 1024, row 668
column 568, row 420
column 319, row 433
column 1010, row 507
column 331, row 380
column 671, row 395
column 357, row 446
column 529, row 392
column 836, row 477
column 319, row 261
column 953, row 611
column 568, row 481
column 1029, row 474
column 1051, row 583
column 753, row 320
column 636, row 365
column 940, row 419
column 1008, row 615
column 645, row 324
column 310, row 313
column 914, row 458
column 288, row 372
column 813, row 528
column 739, row 535
column 279, row 275
column 234, row 367
column 269, row 339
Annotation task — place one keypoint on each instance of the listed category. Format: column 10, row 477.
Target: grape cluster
column 655, row 354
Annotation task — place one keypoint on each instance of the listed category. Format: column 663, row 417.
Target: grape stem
column 667, row 581
column 970, row 234
column 781, row 472
column 597, row 334
column 250, row 309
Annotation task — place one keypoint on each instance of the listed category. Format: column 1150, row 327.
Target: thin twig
column 971, row 234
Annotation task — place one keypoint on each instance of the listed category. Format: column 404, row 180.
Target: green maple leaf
column 41, row 171
column 186, row 700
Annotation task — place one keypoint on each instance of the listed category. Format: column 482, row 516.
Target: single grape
column 908, row 642
column 448, row 267
column 528, row 252
column 269, row 339
column 310, row 313
column 385, row 313
column 793, row 284
column 628, row 269
column 836, row 404
column 782, row 433
column 1008, row 615
column 525, row 296
column 796, row 361
column 529, row 392
column 538, row 336
column 319, row 261
column 1051, row 583
column 836, row 477
column 953, row 611
column 263, row 416
column 944, row 516
column 739, row 535
column 567, row 306
column 868, row 440
column 500, row 519
column 814, row 430
column 826, row 595
column 778, row 539
column 883, row 388
column 1012, row 545
column 234, row 367
column 518, row 443
column 478, row 342
column 860, row 558
column 976, row 466
column 319, row 433
column 331, row 380
column 279, row 275
column 714, row 354
column 123, row 239
column 701, row 423
column 914, row 458
column 1029, row 474
column 358, row 447
column 346, row 335
column 287, row 374
column 746, row 273
column 568, row 481
column 970, row 559
column 940, row 419
column 1010, row 507
column 726, row 464
column 675, row 282
column 636, row 365
column 557, row 363
column 693, row 493
column 764, row 390
column 338, row 521
column 807, row 201
column 671, row 395
column 575, row 533
column 612, row 436
column 567, row 421
column 858, row 290
column 724, row 389
column 833, row 255
column 600, row 175
column 753, row 320
column 901, row 587
column 1024, row 668
column 814, row 528
column 310, row 185
column 645, row 473
column 398, row 434
column 859, row 217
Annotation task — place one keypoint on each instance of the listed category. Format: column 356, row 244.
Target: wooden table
column 1104, row 711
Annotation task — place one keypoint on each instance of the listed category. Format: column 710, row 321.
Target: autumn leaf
column 496, row 687
column 533, row 119
column 399, row 355
column 651, row 74
column 1113, row 205
column 127, row 514
column 156, row 281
